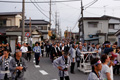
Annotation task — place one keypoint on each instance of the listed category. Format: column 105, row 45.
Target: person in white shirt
column 24, row 51
column 106, row 73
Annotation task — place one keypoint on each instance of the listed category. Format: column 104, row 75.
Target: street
column 46, row 71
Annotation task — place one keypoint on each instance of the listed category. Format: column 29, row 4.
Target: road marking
column 53, row 79
column 43, row 72
column 33, row 61
column 37, row 66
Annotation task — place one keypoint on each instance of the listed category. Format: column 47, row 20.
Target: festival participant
column 37, row 53
column 63, row 63
column 106, row 73
column 18, row 66
column 5, row 65
column 96, row 68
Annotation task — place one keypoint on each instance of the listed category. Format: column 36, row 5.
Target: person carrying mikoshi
column 63, row 63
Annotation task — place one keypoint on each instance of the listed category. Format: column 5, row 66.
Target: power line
column 39, row 6
column 93, row 13
column 70, row 6
column 76, row 22
column 39, row 9
column 91, row 4
column 39, row 1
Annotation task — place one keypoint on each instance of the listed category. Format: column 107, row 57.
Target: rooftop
column 9, row 13
column 34, row 22
column 104, row 17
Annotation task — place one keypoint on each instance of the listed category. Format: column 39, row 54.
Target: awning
column 90, row 39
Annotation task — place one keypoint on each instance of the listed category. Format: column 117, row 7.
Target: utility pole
column 70, row 34
column 67, row 33
column 50, row 15
column 60, row 34
column 58, row 28
column 30, row 32
column 82, row 8
column 56, row 23
column 23, row 21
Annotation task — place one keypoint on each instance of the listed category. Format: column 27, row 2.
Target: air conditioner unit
column 98, row 31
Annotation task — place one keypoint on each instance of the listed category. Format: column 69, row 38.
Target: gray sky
column 68, row 13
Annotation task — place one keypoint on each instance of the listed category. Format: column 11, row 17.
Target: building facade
column 99, row 29
column 42, row 26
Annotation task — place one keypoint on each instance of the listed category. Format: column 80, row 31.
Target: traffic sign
column 27, row 34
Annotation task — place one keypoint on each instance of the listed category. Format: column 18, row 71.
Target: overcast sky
column 68, row 12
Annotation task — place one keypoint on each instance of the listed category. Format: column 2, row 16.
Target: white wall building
column 100, row 29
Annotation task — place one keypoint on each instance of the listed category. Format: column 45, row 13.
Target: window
column 93, row 24
column 2, row 22
column 45, row 28
column 40, row 27
column 111, row 26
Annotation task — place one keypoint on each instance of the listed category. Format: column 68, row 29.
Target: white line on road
column 33, row 61
column 53, row 79
column 43, row 72
column 37, row 66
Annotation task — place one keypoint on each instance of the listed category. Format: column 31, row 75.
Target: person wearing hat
column 37, row 51
column 96, row 68
column 107, row 48
column 18, row 66
column 63, row 63
column 4, row 65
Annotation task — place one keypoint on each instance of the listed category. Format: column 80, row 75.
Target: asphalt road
column 46, row 71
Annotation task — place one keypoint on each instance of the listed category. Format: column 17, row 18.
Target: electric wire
column 39, row 1
column 39, row 9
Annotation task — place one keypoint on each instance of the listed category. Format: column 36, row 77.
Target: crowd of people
column 12, row 67
column 104, row 62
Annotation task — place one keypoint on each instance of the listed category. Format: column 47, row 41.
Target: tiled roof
column 40, row 22
column 18, row 30
column 9, row 13
column 4, row 28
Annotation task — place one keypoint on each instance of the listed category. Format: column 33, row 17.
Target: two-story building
column 11, row 30
column 8, row 20
column 99, row 29
column 42, row 26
